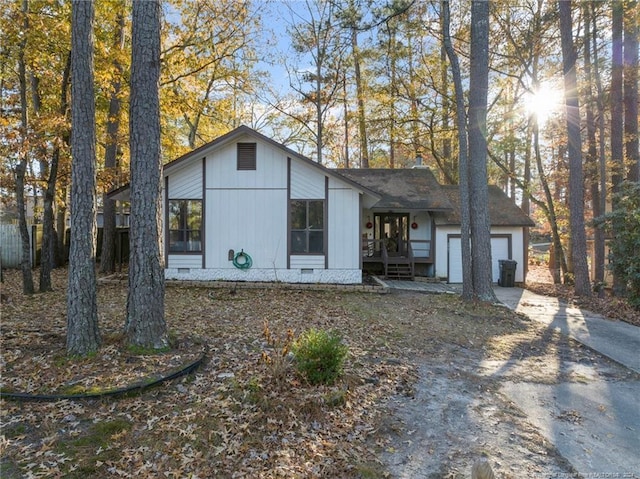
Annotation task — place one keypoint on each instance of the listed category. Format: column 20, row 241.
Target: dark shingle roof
column 406, row 188
column 502, row 210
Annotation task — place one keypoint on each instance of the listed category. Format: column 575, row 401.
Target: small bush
column 320, row 356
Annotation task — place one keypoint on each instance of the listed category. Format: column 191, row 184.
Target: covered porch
column 398, row 230
column 399, row 245
column 397, row 265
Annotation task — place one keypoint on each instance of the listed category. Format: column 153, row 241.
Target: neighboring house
column 11, row 245
column 246, row 208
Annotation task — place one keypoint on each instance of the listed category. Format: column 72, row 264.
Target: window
column 307, row 226
column 246, row 156
column 185, row 226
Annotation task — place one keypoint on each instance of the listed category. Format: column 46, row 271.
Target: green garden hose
column 242, row 260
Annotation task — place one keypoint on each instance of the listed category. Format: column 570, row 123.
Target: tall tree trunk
column 463, row 161
column 631, row 33
column 318, row 105
column 21, row 168
column 576, row 177
column 557, row 262
column 82, row 311
column 447, row 150
column 392, row 58
column 592, row 153
column 600, row 103
column 414, row 116
column 526, row 174
column 362, row 124
column 61, row 226
column 49, row 236
column 478, row 192
column 145, row 325
column 345, row 104
column 108, row 253
column 617, row 121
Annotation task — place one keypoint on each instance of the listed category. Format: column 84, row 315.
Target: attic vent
column 246, row 156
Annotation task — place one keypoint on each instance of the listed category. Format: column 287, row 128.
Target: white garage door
column 499, row 250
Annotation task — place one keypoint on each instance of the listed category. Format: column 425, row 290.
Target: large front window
column 307, row 226
column 185, row 226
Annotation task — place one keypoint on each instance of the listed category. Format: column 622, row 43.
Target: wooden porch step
column 399, row 271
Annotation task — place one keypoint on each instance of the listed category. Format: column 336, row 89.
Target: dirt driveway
column 520, row 400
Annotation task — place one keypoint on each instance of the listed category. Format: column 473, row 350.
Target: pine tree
column 145, row 325
column 82, row 310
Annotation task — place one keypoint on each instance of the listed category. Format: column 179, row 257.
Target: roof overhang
column 120, row 194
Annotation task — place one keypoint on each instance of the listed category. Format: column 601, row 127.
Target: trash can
column 507, row 273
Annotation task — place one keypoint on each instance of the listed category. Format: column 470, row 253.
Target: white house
column 246, row 208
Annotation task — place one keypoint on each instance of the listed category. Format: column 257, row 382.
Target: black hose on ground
column 135, row 388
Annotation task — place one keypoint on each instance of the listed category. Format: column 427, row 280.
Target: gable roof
column 502, row 209
column 403, row 188
column 243, row 130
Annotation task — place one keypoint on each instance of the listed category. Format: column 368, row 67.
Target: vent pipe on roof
column 418, row 163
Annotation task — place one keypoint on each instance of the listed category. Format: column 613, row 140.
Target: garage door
column 500, row 247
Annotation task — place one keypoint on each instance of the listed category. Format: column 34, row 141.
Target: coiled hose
column 242, row 260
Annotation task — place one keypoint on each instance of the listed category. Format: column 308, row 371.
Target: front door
column 394, row 228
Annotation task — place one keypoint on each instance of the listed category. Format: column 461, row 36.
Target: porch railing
column 412, row 261
column 377, row 248
column 385, row 258
column 421, row 248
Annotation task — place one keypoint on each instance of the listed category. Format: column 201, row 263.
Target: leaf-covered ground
column 539, row 281
column 245, row 412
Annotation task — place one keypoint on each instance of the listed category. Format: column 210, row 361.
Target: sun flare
column 544, row 102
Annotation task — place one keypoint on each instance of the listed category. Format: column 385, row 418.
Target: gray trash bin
column 507, row 273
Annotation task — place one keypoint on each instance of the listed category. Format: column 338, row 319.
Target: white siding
column 307, row 261
column 499, row 250
column 270, row 172
column 343, row 235
column 184, row 261
column 251, row 220
column 454, row 260
column 186, row 183
column 422, row 232
column 306, row 182
column 442, row 249
column 11, row 244
column 517, row 247
column 247, row 210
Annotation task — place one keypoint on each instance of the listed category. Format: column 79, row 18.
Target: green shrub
column 320, row 356
column 623, row 223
